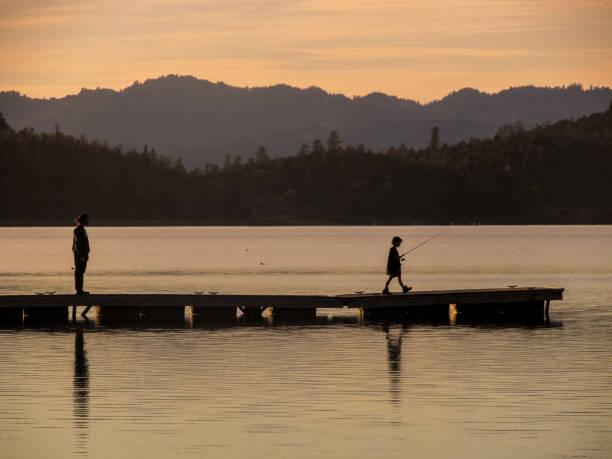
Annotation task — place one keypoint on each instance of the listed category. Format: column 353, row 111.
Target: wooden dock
column 523, row 300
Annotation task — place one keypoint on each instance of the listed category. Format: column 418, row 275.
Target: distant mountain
column 202, row 122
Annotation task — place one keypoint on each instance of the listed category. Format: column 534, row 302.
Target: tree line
column 559, row 173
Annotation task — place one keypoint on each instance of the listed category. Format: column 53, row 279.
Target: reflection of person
column 394, row 348
column 81, row 391
column 394, row 266
column 80, row 249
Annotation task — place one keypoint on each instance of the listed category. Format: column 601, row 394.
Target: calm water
column 334, row 387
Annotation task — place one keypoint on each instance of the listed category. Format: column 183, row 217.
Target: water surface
column 331, row 387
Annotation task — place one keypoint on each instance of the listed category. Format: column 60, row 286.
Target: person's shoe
column 406, row 289
column 82, row 292
column 386, row 291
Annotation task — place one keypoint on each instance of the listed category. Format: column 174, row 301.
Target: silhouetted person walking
column 394, row 266
column 80, row 249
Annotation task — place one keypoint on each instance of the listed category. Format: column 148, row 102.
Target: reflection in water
column 395, row 331
column 81, row 392
column 494, row 321
column 394, row 350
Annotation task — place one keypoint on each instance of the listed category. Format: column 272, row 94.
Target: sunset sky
column 416, row 49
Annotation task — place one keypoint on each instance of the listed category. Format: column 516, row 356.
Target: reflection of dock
column 521, row 301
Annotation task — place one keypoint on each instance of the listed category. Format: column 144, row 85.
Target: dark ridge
column 201, row 122
column 553, row 173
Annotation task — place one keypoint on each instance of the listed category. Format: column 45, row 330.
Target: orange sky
column 414, row 49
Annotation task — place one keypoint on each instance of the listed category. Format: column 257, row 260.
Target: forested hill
column 201, row 122
column 560, row 173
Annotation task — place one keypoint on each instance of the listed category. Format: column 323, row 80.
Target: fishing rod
column 422, row 244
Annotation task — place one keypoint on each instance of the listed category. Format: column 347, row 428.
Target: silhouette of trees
column 333, row 142
column 3, row 124
column 560, row 173
column 434, row 140
column 261, row 154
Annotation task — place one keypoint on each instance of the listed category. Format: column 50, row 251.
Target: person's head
column 82, row 219
column 396, row 241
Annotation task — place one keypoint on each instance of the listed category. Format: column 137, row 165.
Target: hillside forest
column 557, row 173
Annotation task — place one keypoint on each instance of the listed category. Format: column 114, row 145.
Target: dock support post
column 291, row 314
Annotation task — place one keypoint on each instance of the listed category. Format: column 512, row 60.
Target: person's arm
column 82, row 244
column 396, row 256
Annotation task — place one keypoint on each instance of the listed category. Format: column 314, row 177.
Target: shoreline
column 154, row 223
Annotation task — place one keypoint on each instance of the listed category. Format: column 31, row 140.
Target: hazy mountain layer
column 202, row 122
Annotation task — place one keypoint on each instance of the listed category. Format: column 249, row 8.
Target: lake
column 336, row 386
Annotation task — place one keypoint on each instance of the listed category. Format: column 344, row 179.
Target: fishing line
column 422, row 243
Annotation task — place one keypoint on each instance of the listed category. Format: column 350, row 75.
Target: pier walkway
column 212, row 305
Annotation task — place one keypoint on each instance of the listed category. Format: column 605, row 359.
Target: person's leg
column 79, row 272
column 84, row 267
column 405, row 288
column 386, row 289
column 399, row 279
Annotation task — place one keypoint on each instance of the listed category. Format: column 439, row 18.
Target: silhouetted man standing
column 80, row 248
